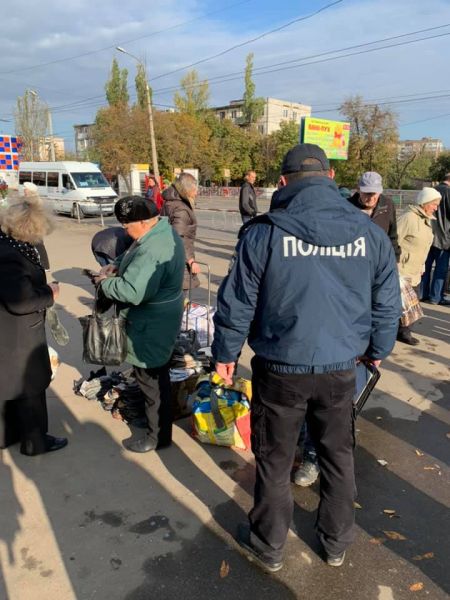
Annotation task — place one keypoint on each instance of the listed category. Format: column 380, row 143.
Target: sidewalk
column 97, row 522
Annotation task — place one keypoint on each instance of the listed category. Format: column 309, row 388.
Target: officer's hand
column 370, row 361
column 225, row 371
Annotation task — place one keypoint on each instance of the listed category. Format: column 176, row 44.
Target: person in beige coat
column 415, row 236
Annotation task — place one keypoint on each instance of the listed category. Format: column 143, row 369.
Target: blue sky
column 411, row 76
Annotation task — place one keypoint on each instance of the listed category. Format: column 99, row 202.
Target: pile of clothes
column 117, row 392
column 187, row 358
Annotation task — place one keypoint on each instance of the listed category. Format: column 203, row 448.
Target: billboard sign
column 331, row 136
column 9, row 153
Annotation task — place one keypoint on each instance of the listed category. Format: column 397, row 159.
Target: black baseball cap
column 293, row 161
column 130, row 209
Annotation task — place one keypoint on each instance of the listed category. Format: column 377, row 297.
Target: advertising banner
column 9, row 153
column 331, row 136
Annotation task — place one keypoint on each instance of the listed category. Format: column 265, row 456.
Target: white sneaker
column 306, row 474
column 336, row 561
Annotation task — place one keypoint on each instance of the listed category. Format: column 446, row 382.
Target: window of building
column 39, row 178
column 261, row 128
column 285, row 113
column 222, row 114
column 233, row 114
column 24, row 176
column 294, row 115
column 52, row 179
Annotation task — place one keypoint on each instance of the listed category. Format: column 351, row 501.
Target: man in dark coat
column 381, row 211
column 379, row 208
column 433, row 289
column 314, row 286
column 247, row 198
column 179, row 202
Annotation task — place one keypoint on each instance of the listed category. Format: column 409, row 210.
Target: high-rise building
column 83, row 139
column 426, row 145
column 275, row 111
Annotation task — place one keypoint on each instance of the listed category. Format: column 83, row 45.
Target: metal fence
column 401, row 198
column 232, row 192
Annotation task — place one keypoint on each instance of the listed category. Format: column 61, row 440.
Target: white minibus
column 70, row 187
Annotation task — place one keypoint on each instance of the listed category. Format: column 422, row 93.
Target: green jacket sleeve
column 140, row 279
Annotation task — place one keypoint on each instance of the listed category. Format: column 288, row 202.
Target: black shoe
column 54, row 443
column 408, row 339
column 444, row 302
column 243, row 539
column 51, row 444
column 144, row 444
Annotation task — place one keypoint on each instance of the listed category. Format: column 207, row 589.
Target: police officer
column 314, row 286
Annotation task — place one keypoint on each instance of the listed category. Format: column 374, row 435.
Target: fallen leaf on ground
column 424, row 556
column 419, row 453
column 379, row 418
column 389, row 511
column 416, row 587
column 382, row 462
column 224, row 569
column 430, row 469
column 448, row 434
column 376, row 541
column 357, row 505
column 394, row 535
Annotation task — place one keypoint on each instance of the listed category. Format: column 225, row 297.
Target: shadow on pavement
column 120, row 534
column 9, row 518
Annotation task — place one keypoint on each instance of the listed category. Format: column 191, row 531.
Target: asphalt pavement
column 94, row 521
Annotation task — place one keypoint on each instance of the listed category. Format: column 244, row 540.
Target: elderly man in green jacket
column 147, row 283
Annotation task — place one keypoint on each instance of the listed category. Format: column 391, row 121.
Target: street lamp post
column 50, row 130
column 150, row 114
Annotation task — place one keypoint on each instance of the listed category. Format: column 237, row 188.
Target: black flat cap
column 130, row 209
column 293, row 161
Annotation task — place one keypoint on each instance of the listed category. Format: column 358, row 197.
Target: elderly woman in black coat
column 179, row 200
column 24, row 297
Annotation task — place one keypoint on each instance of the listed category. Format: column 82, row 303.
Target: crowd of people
column 313, row 286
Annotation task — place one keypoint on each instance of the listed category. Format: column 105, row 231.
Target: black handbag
column 104, row 337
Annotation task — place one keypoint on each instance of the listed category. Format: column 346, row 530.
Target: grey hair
column 186, row 185
column 27, row 220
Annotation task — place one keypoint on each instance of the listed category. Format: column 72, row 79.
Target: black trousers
column 155, row 386
column 25, row 419
column 279, row 405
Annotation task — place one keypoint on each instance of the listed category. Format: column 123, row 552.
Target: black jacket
column 182, row 218
column 384, row 216
column 441, row 227
column 247, row 200
column 24, row 296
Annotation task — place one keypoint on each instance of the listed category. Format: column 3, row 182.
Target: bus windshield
column 89, row 180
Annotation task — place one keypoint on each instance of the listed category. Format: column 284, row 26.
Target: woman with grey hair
column 24, row 298
column 179, row 202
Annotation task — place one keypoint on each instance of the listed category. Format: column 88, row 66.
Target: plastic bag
column 221, row 414
column 412, row 311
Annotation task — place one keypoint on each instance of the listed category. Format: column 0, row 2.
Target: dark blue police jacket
column 313, row 284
